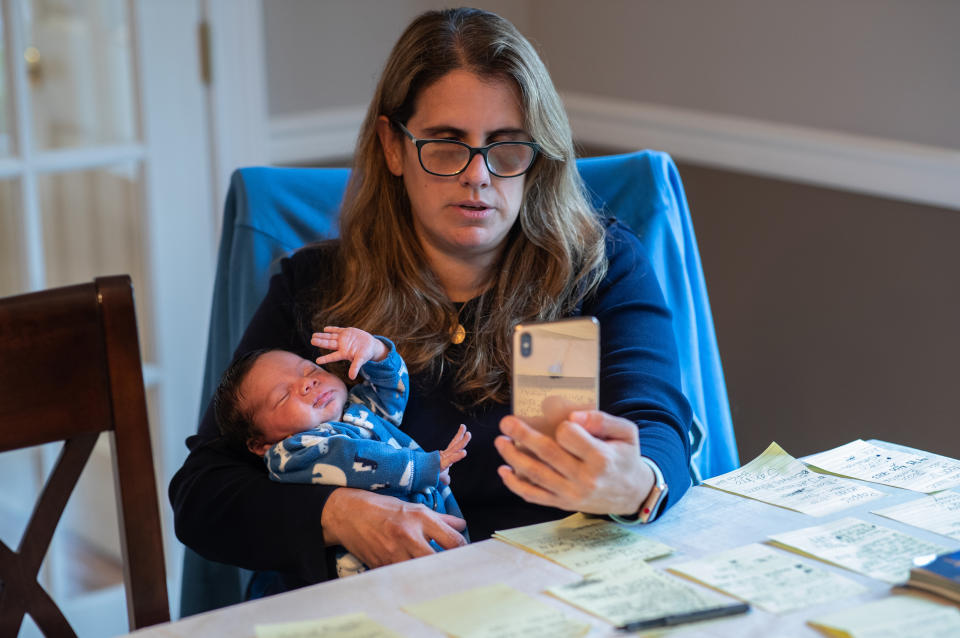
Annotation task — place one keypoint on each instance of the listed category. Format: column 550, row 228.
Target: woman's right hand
column 380, row 530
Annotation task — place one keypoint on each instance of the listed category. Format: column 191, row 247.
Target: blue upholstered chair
column 270, row 212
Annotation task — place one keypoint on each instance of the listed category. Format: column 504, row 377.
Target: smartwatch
column 651, row 506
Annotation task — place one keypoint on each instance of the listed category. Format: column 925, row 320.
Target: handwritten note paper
column 878, row 552
column 583, row 544
column 769, row 579
column 633, row 592
column 938, row 513
column 347, row 626
column 893, row 617
column 869, row 462
column 496, row 611
column 777, row 478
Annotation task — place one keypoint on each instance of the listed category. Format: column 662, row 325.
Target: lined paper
column 777, row 478
column 938, row 513
column 923, row 472
column 346, row 626
column 866, row 548
column 631, row 593
column 769, row 579
column 893, row 617
column 584, row 544
column 496, row 611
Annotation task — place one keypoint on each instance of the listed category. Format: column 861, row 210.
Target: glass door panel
column 93, row 225
column 79, row 67
column 6, row 144
column 12, row 258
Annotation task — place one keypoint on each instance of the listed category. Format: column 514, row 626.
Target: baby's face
column 289, row 394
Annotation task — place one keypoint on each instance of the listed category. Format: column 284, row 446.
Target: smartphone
column 556, row 367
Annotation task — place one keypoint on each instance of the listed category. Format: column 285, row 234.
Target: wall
column 837, row 314
column 836, row 309
column 882, row 68
column 323, row 55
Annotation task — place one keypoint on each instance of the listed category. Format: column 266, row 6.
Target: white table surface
column 705, row 521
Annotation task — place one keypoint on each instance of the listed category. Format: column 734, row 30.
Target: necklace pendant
column 458, row 334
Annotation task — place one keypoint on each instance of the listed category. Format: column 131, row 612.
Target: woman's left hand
column 592, row 465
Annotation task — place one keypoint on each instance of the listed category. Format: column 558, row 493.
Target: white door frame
column 238, row 92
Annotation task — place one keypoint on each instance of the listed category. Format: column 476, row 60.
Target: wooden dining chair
column 69, row 370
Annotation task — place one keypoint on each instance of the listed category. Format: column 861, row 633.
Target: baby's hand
column 455, row 449
column 349, row 344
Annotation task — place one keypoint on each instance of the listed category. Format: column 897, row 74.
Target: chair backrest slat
column 52, row 366
column 70, row 369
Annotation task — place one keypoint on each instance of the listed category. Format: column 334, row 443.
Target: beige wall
column 837, row 314
column 884, row 68
column 329, row 53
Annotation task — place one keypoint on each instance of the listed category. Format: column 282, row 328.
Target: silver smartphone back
column 556, row 367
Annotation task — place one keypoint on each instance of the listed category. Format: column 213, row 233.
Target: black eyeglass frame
column 474, row 150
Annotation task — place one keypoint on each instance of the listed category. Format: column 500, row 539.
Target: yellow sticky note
column 901, row 616
column 346, row 626
column 584, row 544
column 496, row 611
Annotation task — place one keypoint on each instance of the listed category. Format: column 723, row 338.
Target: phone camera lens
column 526, row 344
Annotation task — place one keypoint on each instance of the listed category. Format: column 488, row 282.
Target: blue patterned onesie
column 366, row 449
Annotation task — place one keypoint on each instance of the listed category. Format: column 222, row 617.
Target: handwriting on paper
column 584, row 544
column 868, row 462
column 938, row 513
column 769, row 579
column 777, row 478
column 580, row 393
column 346, row 626
column 878, row 552
column 496, row 611
column 900, row 616
column 633, row 592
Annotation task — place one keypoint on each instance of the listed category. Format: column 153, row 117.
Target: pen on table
column 690, row 616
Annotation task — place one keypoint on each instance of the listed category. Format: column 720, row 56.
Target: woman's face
column 466, row 216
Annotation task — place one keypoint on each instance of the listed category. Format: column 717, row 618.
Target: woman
column 464, row 216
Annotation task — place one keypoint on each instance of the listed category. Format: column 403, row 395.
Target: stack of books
column 937, row 574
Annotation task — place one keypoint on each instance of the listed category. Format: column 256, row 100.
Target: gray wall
column 328, row 54
column 885, row 68
column 837, row 314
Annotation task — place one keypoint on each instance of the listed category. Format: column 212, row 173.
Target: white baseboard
column 875, row 166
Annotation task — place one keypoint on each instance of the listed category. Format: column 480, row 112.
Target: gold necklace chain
column 457, row 332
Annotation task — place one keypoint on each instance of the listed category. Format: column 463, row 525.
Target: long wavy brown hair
column 552, row 257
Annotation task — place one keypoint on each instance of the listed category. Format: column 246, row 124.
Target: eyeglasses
column 447, row 158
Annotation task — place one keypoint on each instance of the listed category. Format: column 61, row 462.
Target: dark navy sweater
column 228, row 510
